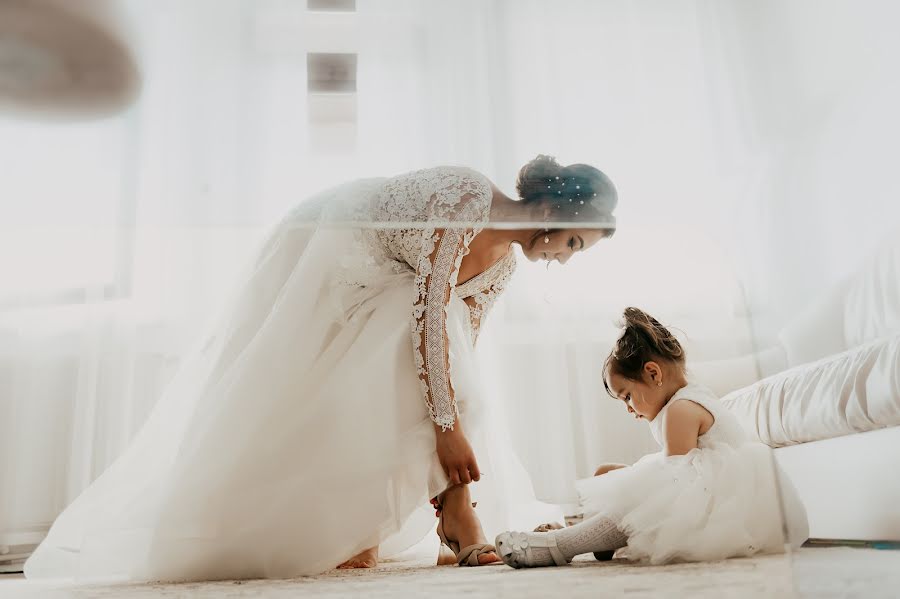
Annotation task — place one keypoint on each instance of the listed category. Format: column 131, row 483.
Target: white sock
column 598, row 533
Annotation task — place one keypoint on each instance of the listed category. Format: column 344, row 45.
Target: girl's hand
column 601, row 470
column 456, row 456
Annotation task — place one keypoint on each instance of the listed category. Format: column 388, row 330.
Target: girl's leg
column 598, row 533
column 558, row 547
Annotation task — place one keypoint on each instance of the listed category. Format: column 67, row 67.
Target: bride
column 338, row 391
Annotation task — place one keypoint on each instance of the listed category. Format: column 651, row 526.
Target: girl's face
column 644, row 398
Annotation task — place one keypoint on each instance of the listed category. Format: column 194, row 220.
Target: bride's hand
column 456, row 456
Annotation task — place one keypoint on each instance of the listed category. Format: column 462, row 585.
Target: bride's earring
column 659, row 384
column 546, row 237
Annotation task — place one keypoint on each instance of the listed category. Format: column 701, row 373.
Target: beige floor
column 814, row 573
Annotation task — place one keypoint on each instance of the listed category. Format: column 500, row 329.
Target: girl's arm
column 684, row 420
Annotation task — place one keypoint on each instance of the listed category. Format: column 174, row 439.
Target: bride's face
column 560, row 244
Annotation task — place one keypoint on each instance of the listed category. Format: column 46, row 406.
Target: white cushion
column 855, row 391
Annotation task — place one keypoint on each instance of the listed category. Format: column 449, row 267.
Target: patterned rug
column 819, row 573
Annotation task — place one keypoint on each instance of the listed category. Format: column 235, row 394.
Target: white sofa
column 834, row 414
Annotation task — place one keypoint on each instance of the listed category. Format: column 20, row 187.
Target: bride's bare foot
column 364, row 559
column 461, row 523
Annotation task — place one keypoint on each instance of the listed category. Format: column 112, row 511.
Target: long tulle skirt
column 293, row 437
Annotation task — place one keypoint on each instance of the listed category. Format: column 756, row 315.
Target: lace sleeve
column 436, row 274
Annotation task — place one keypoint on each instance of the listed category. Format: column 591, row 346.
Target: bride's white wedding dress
column 299, row 431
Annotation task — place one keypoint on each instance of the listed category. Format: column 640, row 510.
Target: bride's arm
column 435, row 282
column 435, row 279
column 459, row 201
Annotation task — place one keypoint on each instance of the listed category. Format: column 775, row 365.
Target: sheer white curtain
column 118, row 237
column 620, row 85
column 750, row 143
column 809, row 143
column 736, row 133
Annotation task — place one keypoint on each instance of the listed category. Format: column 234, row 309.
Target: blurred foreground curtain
column 752, row 145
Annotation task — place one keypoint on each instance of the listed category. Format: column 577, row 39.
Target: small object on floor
column 888, row 545
column 574, row 519
column 604, row 556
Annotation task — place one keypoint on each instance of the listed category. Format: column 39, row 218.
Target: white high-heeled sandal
column 516, row 548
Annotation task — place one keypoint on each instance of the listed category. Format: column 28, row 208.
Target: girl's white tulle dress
column 727, row 498
column 299, row 431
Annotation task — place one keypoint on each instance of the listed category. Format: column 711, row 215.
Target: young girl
column 712, row 493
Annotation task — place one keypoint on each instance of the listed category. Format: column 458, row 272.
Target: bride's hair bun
column 531, row 184
column 575, row 193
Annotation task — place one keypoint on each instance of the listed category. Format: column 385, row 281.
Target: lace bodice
column 452, row 205
column 485, row 288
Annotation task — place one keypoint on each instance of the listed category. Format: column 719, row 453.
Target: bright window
column 66, row 189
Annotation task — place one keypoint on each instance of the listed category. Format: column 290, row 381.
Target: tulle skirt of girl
column 712, row 503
